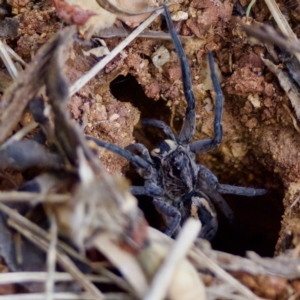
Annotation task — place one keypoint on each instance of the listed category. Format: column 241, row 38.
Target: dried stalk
column 19, row 277
column 62, row 259
column 7, row 61
column 115, row 32
column 15, row 196
column 66, row 296
column 268, row 34
column 51, row 256
column 41, row 296
column 162, row 280
column 287, row 84
column 281, row 22
column 14, row 55
column 19, row 223
column 202, row 260
column 20, row 134
column 97, row 68
column 28, row 83
column 120, row 282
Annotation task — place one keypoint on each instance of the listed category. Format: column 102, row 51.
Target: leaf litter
column 69, row 205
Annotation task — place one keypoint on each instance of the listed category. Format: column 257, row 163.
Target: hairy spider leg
column 213, row 189
column 209, row 144
column 150, row 189
column 170, row 215
column 140, row 148
column 143, row 167
column 240, row 190
column 162, row 125
column 216, row 197
column 200, row 206
column 133, row 158
column 207, row 175
column 188, row 128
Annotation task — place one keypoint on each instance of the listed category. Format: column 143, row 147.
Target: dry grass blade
column 162, row 279
column 223, row 291
column 25, row 196
column 41, row 296
column 268, row 34
column 113, row 32
column 203, row 260
column 287, row 84
column 7, row 61
column 96, row 69
column 62, row 259
column 33, row 197
column 28, row 83
column 126, row 7
column 13, row 54
column 20, row 134
column 113, row 278
column 19, row 223
column 51, row 256
column 18, row 277
column 125, row 262
column 281, row 22
column 66, row 296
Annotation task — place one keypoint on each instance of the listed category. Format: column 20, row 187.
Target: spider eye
column 178, row 164
column 176, row 170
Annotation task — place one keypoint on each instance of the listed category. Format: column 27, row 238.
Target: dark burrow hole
column 257, row 220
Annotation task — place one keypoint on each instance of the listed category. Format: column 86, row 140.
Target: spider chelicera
column 179, row 186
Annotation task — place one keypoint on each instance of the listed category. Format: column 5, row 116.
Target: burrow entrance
column 257, row 220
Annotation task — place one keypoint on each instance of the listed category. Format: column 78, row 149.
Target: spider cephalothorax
column 177, row 169
column 180, row 187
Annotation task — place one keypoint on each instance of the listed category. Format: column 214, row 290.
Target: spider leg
column 197, row 205
column 239, row 190
column 142, row 150
column 170, row 215
column 162, row 125
column 207, row 175
column 209, row 144
column 133, row 158
column 215, row 196
column 208, row 217
column 188, row 128
column 147, row 190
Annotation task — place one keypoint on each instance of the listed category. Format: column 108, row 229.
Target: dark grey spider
column 180, row 187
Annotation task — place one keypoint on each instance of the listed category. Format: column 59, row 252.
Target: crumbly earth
column 261, row 140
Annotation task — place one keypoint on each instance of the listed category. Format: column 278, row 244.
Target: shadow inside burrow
column 257, row 219
column 256, row 225
column 127, row 89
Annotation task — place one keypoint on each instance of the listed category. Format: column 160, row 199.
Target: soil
column 260, row 146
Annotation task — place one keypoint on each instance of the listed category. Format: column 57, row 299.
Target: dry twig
column 287, row 84
column 96, row 69
column 268, row 34
column 51, row 256
column 7, row 61
column 163, row 277
column 281, row 22
column 19, row 223
column 28, row 83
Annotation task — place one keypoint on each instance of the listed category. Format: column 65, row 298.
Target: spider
column 180, row 187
